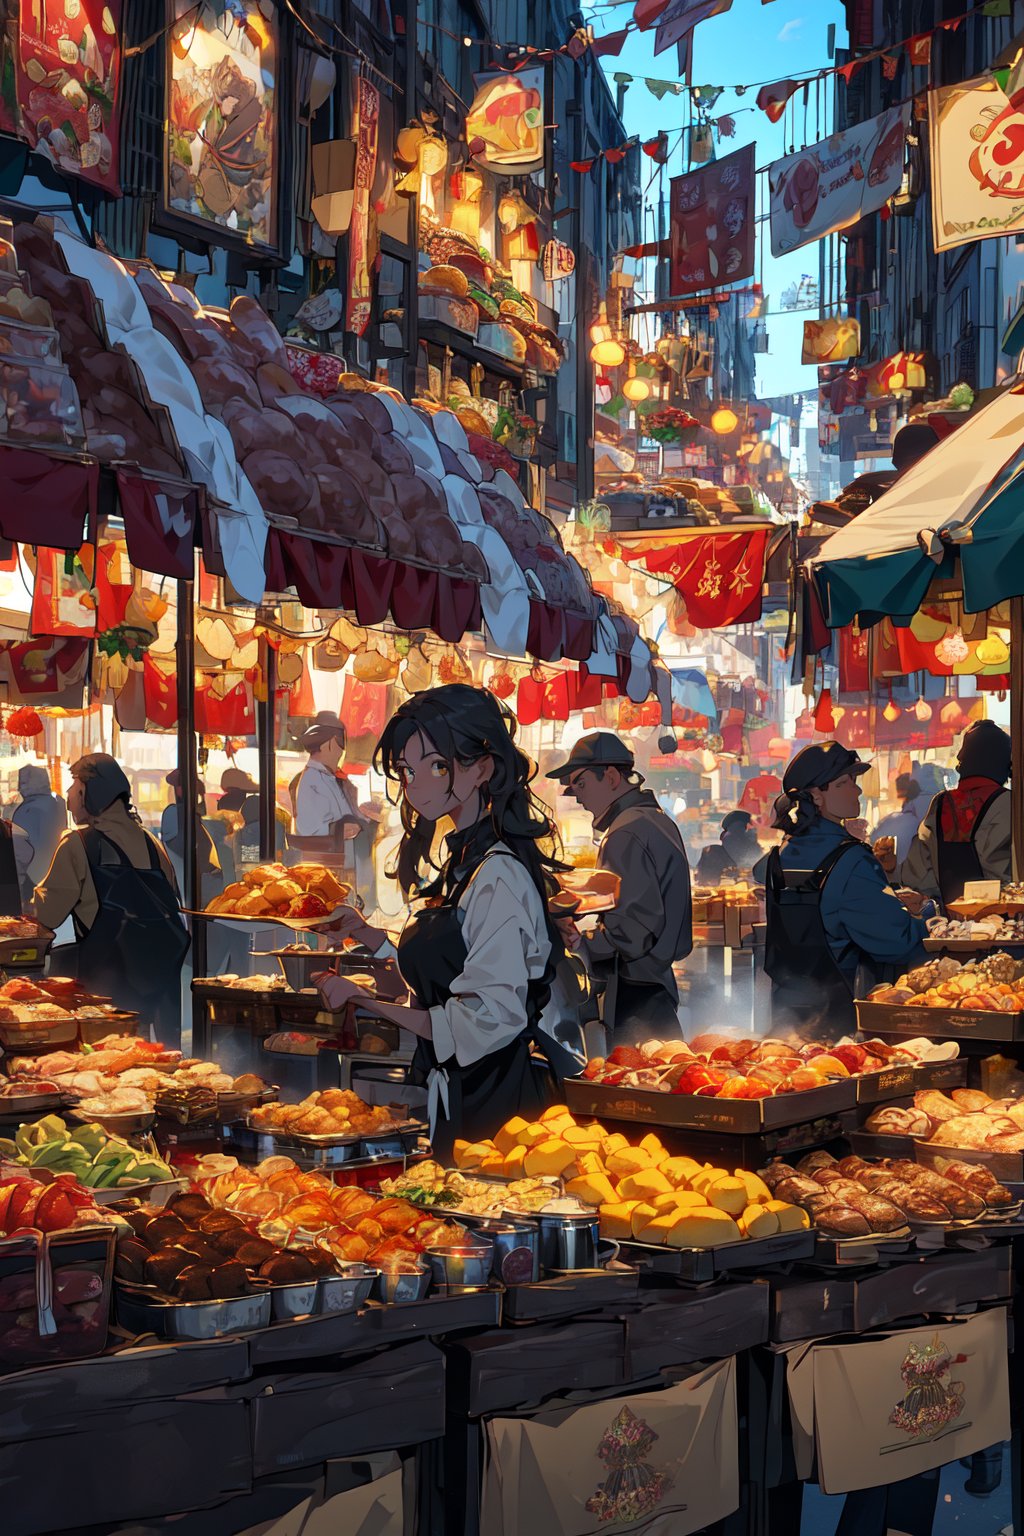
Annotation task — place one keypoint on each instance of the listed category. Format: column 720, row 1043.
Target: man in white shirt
column 322, row 802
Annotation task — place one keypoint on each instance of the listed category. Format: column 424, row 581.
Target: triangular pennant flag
column 920, row 50
column 890, row 63
column 1001, row 78
column 706, row 95
column 772, row 99
column 609, row 46
column 952, row 25
column 646, row 13
column 583, row 166
column 727, row 125
column 657, row 148
column 661, row 88
column 849, row 70
column 622, row 79
column 613, row 156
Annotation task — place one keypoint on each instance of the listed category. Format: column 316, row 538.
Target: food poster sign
column 830, row 341
column 837, row 181
column 977, row 147
column 67, row 79
column 365, row 130
column 505, row 124
column 712, row 228
column 222, row 130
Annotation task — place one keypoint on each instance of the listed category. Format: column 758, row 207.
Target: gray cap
column 601, row 749
column 326, row 727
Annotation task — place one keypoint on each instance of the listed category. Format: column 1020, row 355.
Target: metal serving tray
column 743, row 1117
column 145, row 1312
column 939, row 1023
column 698, row 1265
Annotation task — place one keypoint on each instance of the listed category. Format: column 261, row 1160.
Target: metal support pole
column 266, row 741
column 191, row 893
column 1017, row 730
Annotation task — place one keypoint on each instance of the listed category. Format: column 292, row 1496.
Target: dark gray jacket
column 651, row 925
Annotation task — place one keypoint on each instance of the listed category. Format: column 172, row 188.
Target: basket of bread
column 302, row 896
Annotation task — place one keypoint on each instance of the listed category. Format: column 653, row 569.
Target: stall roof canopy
column 965, row 497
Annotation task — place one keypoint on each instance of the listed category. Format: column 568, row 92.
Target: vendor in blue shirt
column 835, row 925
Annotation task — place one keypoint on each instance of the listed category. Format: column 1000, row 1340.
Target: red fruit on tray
column 55, row 1209
column 21, row 1210
column 627, row 1056
column 593, row 1069
column 852, row 1057
column 801, row 1080
column 6, row 1193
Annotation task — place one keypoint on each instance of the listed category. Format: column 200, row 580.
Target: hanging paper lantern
column 952, row 648
column 514, row 212
column 24, row 722
column 502, row 684
column 608, row 354
column 559, row 261
column 824, row 718
column 724, row 421
column 993, row 651
column 923, row 711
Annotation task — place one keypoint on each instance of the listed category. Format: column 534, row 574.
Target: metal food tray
column 333, row 1295
column 698, row 1265
column 30, row 1104
column 142, row 1311
column 943, row 1023
column 904, row 1078
column 397, row 1141
column 152, row 1194
column 972, row 946
column 127, row 1123
column 838, row 1252
column 743, row 1117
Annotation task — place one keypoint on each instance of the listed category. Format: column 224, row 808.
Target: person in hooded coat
column 42, row 816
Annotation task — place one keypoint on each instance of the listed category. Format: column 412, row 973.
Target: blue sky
column 751, row 44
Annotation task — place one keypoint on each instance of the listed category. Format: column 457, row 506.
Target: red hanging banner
column 360, row 278
column 719, row 575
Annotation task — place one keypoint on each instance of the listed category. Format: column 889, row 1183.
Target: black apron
column 10, row 885
column 810, row 994
column 508, row 1081
column 959, row 862
column 134, row 951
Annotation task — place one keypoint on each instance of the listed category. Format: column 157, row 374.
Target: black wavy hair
column 463, row 724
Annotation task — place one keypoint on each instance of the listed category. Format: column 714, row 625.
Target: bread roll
column 703, row 1229
column 642, row 1185
column 791, row 1217
column 758, row 1221
column 729, row 1195
column 616, row 1219
column 841, row 1221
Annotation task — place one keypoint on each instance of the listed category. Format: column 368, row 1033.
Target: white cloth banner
column 977, row 162
column 888, row 1408
column 662, row 1463
column 837, row 181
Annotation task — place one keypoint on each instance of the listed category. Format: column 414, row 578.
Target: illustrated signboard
column 222, row 129
column 712, row 224
column 837, row 181
column 505, row 124
column 977, row 146
column 67, row 77
column 360, row 276
column 830, row 341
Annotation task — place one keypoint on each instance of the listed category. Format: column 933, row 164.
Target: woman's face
column 427, row 785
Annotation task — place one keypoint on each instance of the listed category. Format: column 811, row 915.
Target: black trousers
column 643, row 1013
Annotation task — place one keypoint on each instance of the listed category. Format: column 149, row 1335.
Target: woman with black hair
column 479, row 954
column 116, row 884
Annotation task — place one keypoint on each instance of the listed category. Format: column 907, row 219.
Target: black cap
column 601, row 749
column 736, row 821
column 984, row 752
column 819, row 766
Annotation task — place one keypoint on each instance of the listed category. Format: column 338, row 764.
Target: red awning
column 46, row 499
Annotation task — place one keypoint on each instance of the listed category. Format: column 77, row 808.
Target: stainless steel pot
column 461, row 1266
column 567, row 1242
column 515, row 1250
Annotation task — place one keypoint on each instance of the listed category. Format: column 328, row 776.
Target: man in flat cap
column 649, row 928
column 326, row 806
column 831, row 912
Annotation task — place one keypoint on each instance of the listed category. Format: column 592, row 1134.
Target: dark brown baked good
column 163, row 1268
column 287, row 1269
column 200, row 1246
column 980, row 1181
column 194, row 1283
column 130, row 1262
column 229, row 1280
column 165, row 1229
column 220, row 1221
column 853, row 1168
column 815, row 1162
column 255, row 1252
column 230, row 1240
column 841, row 1221
column 774, row 1174
column 881, row 1215
column 188, row 1206
column 793, row 1188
